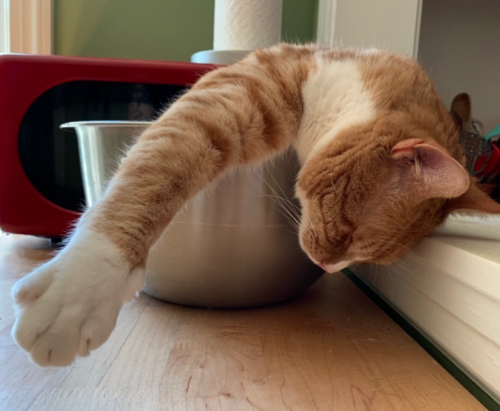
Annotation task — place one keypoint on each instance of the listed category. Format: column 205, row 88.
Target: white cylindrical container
column 247, row 24
column 241, row 26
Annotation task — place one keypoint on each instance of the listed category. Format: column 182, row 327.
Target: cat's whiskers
column 284, row 203
column 356, row 266
column 284, row 211
column 394, row 243
column 409, row 252
column 292, row 205
column 296, row 208
column 399, row 263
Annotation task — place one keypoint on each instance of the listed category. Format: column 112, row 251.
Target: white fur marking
column 334, row 99
column 69, row 305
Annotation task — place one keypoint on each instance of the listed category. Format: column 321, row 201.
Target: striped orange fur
column 251, row 111
column 381, row 167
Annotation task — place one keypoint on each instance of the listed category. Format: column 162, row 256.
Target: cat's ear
column 461, row 110
column 475, row 200
column 428, row 171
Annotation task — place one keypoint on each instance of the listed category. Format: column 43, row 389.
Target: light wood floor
column 330, row 350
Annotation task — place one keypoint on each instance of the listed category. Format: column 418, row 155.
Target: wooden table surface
column 332, row 349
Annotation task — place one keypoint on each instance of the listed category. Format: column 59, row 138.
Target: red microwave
column 41, row 191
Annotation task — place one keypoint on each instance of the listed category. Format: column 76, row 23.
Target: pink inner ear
column 405, row 148
column 434, row 174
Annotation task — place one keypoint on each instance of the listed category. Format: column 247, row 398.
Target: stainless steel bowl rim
column 105, row 123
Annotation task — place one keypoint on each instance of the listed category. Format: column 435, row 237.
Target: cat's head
column 367, row 199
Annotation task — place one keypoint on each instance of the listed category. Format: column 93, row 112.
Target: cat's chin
column 333, row 268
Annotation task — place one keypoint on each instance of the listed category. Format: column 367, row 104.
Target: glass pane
column 50, row 155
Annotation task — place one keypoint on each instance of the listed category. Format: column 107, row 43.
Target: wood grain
column 332, row 349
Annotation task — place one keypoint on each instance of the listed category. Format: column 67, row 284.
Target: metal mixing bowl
column 233, row 246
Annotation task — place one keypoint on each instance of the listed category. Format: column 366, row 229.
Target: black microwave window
column 50, row 156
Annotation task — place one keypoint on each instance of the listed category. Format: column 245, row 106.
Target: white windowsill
column 448, row 287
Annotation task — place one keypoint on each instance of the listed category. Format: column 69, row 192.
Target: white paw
column 69, row 306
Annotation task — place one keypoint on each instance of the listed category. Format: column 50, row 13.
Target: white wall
column 4, row 26
column 390, row 24
column 460, row 48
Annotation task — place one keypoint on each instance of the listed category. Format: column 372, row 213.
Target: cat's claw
column 69, row 306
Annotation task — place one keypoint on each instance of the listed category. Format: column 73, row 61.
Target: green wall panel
column 155, row 29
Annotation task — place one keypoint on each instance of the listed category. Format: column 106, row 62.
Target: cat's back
column 336, row 94
column 341, row 73
column 347, row 87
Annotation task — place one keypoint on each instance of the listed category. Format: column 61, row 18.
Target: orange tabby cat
column 381, row 167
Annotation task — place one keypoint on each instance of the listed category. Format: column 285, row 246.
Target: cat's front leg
column 69, row 305
column 234, row 116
